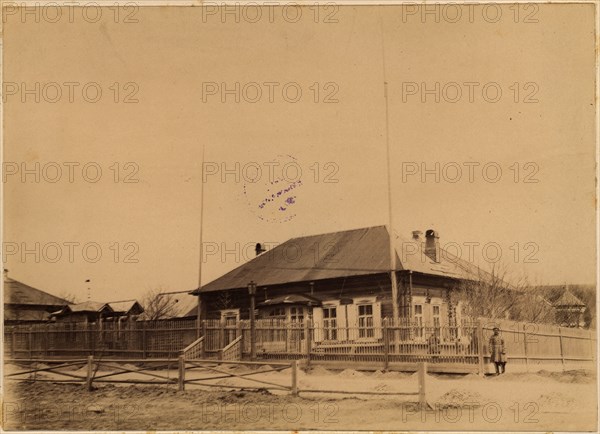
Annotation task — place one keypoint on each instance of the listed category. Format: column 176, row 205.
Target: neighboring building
column 26, row 304
column 342, row 281
column 569, row 310
column 93, row 311
column 177, row 305
column 580, row 296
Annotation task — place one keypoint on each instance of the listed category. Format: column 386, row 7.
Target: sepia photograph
column 299, row 216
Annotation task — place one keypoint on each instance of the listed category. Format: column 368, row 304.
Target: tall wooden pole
column 199, row 306
column 252, row 327
column 393, row 279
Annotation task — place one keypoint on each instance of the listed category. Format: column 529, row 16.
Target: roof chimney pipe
column 259, row 249
column 432, row 245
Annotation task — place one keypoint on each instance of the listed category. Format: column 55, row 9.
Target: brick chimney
column 417, row 235
column 432, row 245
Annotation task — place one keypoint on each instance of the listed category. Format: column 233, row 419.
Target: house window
column 297, row 320
column 436, row 320
column 330, row 323
column 419, row 320
column 276, row 330
column 297, row 314
column 365, row 321
column 276, row 313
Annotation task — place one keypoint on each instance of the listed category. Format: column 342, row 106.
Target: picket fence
column 400, row 346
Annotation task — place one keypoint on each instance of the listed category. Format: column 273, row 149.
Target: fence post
column 241, row 335
column 294, row 378
column 30, row 342
column 593, row 347
column 143, row 339
column 46, row 340
column 422, row 392
column 222, row 334
column 308, row 337
column 202, row 354
column 14, row 342
column 525, row 347
column 480, row 348
column 181, row 377
column 386, row 345
column 89, row 373
column 562, row 353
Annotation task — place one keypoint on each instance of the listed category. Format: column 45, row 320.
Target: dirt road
column 530, row 402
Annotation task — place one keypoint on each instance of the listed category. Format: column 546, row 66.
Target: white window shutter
column 342, row 332
column 317, row 324
column 352, row 322
column 377, row 320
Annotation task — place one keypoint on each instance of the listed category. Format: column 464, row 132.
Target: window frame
column 365, row 330
column 330, row 325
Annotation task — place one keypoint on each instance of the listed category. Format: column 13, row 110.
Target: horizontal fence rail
column 96, row 372
column 386, row 345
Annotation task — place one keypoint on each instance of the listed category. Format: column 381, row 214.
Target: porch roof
column 291, row 299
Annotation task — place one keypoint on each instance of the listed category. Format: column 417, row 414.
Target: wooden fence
column 128, row 339
column 113, row 370
column 402, row 346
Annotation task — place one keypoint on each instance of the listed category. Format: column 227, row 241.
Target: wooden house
column 24, row 304
column 342, row 281
column 94, row 311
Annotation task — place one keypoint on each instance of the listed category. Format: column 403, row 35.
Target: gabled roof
column 182, row 304
column 86, row 306
column 185, row 304
column 355, row 252
column 16, row 292
column 568, row 299
column 126, row 306
column 89, row 306
column 121, row 307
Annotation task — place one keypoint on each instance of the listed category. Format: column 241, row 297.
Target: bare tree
column 532, row 304
column 69, row 297
column 495, row 295
column 158, row 304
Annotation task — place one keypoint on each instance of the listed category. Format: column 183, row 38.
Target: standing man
column 498, row 351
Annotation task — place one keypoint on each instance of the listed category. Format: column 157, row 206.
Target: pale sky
column 171, row 55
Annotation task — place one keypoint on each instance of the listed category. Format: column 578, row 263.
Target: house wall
column 373, row 289
column 77, row 317
column 19, row 313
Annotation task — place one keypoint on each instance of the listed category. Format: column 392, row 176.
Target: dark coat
column 497, row 349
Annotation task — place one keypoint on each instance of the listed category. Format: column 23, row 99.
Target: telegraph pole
column 199, row 306
column 390, row 228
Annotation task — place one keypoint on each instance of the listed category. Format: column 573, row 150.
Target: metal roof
column 16, row 292
column 124, row 306
column 354, row 252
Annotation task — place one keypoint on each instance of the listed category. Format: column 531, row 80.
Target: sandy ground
column 531, row 402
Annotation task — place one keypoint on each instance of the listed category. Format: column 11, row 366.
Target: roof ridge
column 336, row 232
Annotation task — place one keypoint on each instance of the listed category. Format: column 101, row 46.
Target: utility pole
column 199, row 306
column 392, row 235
